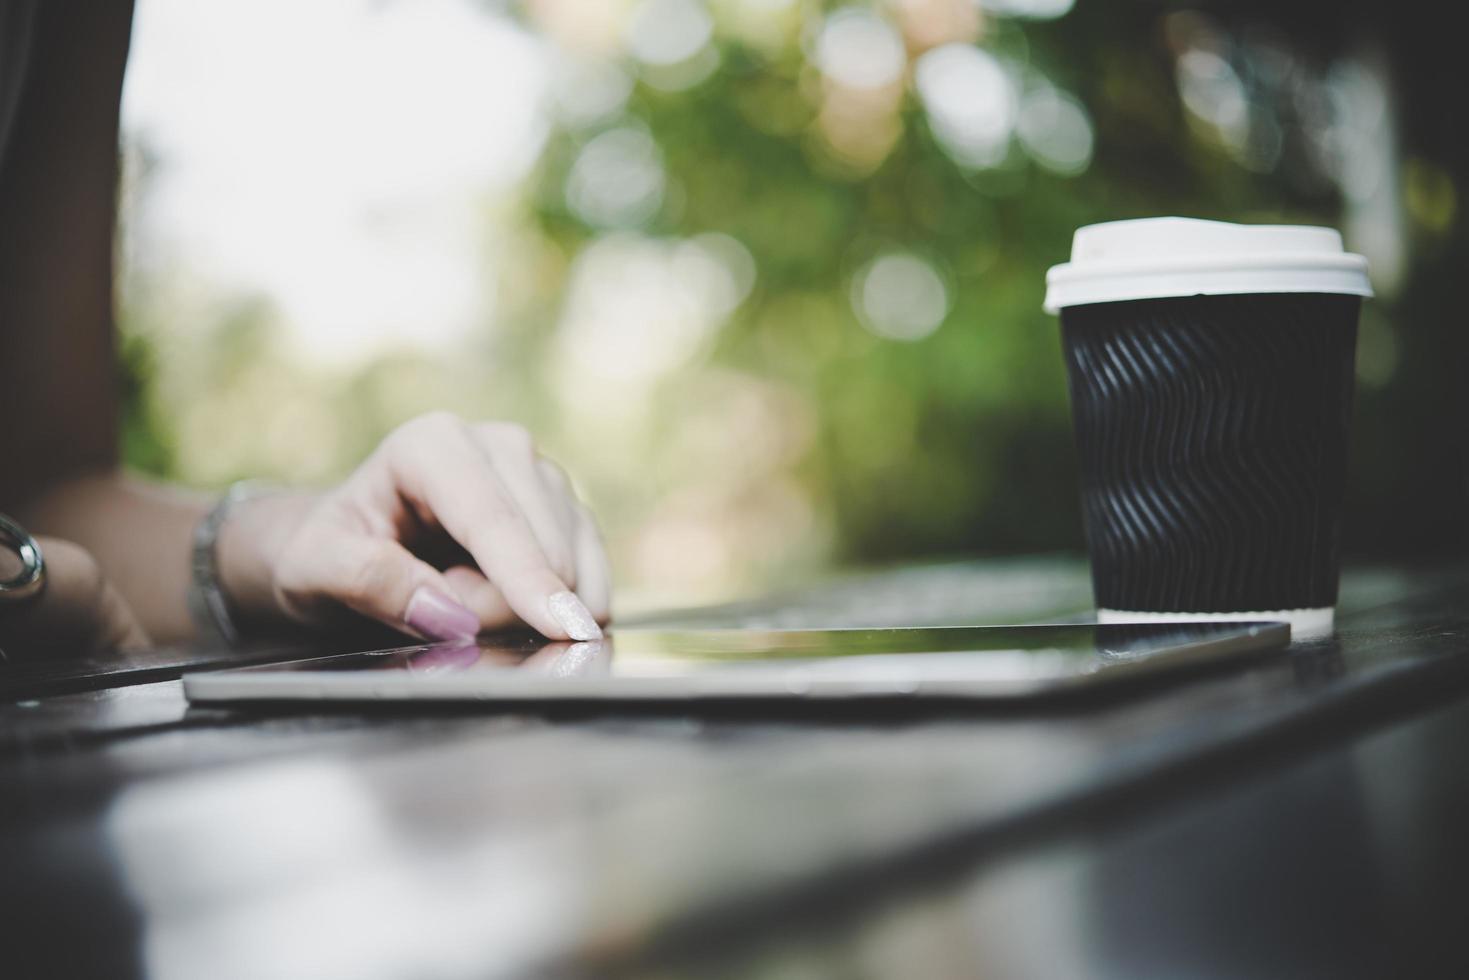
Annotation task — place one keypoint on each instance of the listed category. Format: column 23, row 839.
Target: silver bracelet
column 208, row 605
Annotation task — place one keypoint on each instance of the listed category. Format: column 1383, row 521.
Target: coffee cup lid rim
column 1153, row 258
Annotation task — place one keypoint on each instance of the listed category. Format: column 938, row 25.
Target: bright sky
column 336, row 155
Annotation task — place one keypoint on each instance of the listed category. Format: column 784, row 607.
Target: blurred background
column 764, row 275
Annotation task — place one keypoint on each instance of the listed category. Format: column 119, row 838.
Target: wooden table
column 1305, row 815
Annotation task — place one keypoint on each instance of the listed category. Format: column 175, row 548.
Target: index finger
column 439, row 467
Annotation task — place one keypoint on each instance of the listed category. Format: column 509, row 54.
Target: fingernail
column 438, row 617
column 575, row 618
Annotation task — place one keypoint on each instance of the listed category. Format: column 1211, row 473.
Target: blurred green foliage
column 794, row 436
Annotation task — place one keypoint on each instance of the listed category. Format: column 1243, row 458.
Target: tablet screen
column 762, row 662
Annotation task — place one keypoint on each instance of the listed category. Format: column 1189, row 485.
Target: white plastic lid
column 1149, row 258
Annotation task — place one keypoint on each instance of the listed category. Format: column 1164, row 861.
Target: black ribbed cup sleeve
column 1213, row 438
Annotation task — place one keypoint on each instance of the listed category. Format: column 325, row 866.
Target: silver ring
column 32, row 576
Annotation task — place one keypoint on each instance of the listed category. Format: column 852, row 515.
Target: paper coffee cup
column 1211, row 372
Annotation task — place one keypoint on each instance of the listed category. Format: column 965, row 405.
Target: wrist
column 248, row 546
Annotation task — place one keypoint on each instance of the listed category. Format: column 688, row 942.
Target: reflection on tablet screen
column 971, row 652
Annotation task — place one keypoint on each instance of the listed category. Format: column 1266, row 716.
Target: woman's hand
column 447, row 528
column 78, row 613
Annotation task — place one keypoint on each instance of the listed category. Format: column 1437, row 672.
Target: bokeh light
column 901, row 297
column 1055, row 130
column 667, row 32
column 1213, row 92
column 588, row 91
column 617, row 180
column 1032, row 9
column 671, row 39
column 858, row 49
column 971, row 103
column 638, row 307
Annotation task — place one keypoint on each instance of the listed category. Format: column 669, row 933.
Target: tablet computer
column 671, row 665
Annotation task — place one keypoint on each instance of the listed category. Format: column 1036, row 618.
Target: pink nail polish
column 439, row 617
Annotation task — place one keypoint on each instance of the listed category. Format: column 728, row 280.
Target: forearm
column 141, row 535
